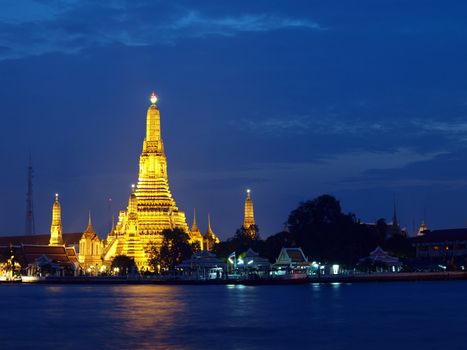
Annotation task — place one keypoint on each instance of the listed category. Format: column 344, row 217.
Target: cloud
column 454, row 129
column 38, row 27
column 334, row 172
column 229, row 26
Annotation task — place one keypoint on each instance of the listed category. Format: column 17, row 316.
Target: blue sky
column 363, row 100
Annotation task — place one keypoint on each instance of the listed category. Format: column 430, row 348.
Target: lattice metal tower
column 30, row 227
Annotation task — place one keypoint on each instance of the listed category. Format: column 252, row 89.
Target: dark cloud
column 83, row 25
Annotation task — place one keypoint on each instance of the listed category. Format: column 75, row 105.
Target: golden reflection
column 54, row 289
column 148, row 314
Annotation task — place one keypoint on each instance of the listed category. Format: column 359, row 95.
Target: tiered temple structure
column 151, row 208
column 249, row 225
column 56, row 229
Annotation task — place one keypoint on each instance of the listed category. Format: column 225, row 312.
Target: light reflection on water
column 331, row 316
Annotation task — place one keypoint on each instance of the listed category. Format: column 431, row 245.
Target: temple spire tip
column 153, row 98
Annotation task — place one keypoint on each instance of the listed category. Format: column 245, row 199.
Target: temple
column 151, row 208
column 90, row 249
column 56, row 229
column 249, row 225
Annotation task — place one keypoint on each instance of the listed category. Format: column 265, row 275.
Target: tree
column 400, row 246
column 382, row 228
column 239, row 243
column 328, row 235
column 154, row 257
column 273, row 245
column 174, row 249
column 124, row 264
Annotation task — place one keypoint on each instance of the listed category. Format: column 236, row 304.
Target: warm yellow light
column 153, row 98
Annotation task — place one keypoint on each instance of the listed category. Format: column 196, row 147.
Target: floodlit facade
column 90, row 249
column 151, row 207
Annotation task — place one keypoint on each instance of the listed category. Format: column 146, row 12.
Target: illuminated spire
column 153, row 98
column 151, row 207
column 249, row 224
column 89, row 229
column 209, row 231
column 56, row 228
column 194, row 227
column 249, row 218
column 210, row 238
column 153, row 122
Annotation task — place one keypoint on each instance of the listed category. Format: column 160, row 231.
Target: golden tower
column 249, row 220
column 56, row 228
column 210, row 238
column 151, row 208
column 157, row 210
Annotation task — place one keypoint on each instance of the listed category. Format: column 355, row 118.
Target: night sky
column 364, row 100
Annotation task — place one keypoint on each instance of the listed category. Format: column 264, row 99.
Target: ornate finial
column 89, row 219
column 56, row 197
column 132, row 188
column 153, row 98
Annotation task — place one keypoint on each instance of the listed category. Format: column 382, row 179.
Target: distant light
column 248, row 191
column 153, row 98
column 335, row 269
column 132, row 185
column 56, row 195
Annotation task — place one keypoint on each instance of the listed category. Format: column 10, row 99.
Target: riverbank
column 359, row 278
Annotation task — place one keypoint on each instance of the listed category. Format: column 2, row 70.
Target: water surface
column 406, row 315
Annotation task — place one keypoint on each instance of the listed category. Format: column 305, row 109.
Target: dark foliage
column 324, row 233
column 124, row 263
column 174, row 249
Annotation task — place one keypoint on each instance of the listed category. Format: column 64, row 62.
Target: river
column 400, row 315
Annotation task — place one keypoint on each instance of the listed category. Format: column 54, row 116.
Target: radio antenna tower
column 30, row 227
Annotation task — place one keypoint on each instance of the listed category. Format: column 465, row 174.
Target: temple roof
column 442, row 236
column 209, row 232
column 60, row 254
column 89, row 232
column 194, row 227
column 42, row 239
